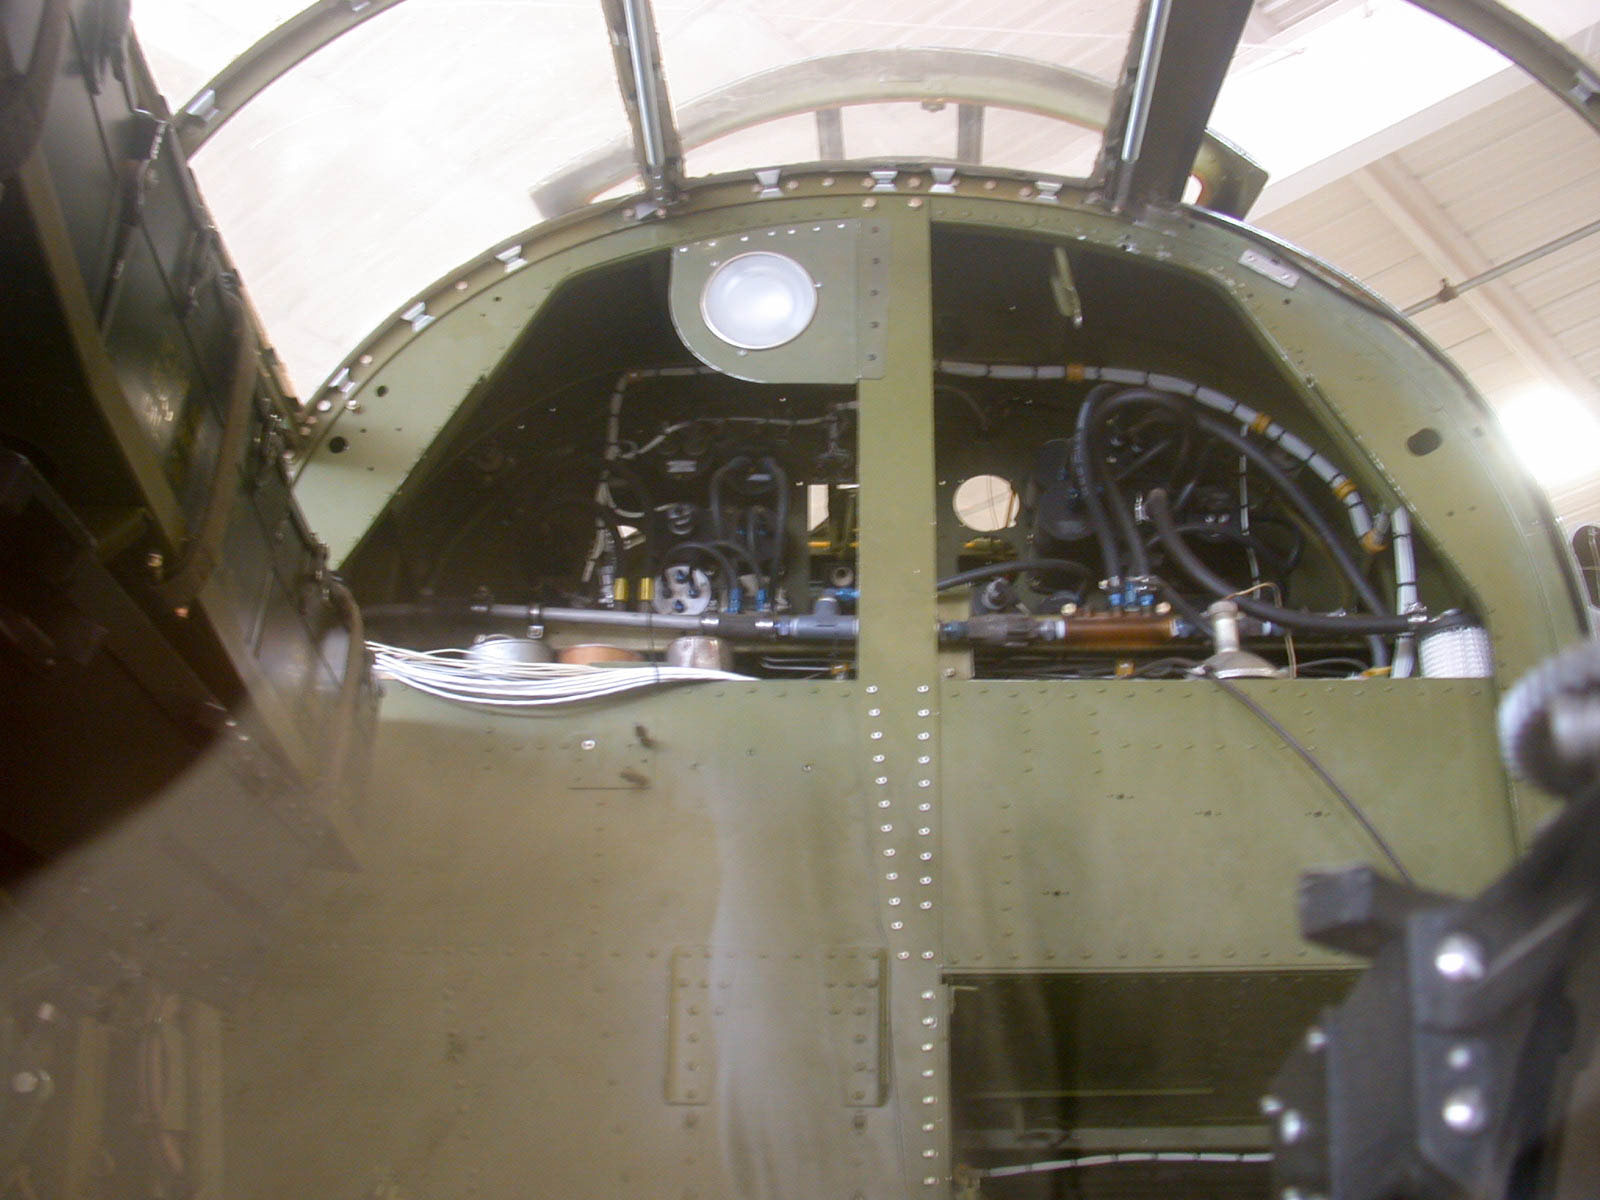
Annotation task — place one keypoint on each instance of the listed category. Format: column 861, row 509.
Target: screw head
column 1316, row 1040
column 1464, row 1111
column 1291, row 1127
column 1271, row 1106
column 1459, row 959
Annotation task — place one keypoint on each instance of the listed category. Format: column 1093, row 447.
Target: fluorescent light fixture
column 759, row 300
column 1556, row 435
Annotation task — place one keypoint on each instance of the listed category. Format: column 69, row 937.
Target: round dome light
column 759, row 300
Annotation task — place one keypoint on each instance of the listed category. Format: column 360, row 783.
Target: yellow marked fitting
column 619, row 591
column 1375, row 673
column 647, row 589
column 1259, row 425
column 1344, row 488
column 1372, row 543
column 1075, row 371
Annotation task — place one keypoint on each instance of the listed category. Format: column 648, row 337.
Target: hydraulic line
column 1084, row 459
column 1015, row 566
column 780, row 483
column 1275, row 475
column 1156, row 505
column 1342, row 487
column 718, row 529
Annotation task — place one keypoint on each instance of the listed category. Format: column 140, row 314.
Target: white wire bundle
column 455, row 675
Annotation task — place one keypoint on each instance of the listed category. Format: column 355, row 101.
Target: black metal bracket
column 1445, row 1072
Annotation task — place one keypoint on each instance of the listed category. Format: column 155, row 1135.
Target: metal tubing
column 641, row 37
column 1155, row 36
column 1449, row 291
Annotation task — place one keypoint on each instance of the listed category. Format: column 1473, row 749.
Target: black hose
column 721, row 473
column 979, row 574
column 1275, row 475
column 1084, row 463
column 1156, row 505
column 780, row 481
column 743, row 552
column 1229, row 533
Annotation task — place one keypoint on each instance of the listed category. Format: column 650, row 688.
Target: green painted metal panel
column 1132, row 825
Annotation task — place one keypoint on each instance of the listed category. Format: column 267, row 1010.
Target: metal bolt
column 1315, row 1039
column 588, row 743
column 1460, row 1057
column 25, row 1082
column 1459, row 959
column 1464, row 1111
column 1271, row 1105
column 1291, row 1127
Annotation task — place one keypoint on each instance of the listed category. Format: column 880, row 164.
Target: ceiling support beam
column 1401, row 197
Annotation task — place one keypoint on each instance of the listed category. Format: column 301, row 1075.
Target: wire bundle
column 453, row 674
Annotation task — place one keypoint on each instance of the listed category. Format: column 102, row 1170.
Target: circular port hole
column 986, row 503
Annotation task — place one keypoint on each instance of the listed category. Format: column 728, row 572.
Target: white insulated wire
column 453, row 674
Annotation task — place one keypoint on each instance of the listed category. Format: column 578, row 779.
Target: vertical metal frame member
column 644, row 94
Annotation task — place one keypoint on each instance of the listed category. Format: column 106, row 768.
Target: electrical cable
column 1316, row 766
column 452, row 674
